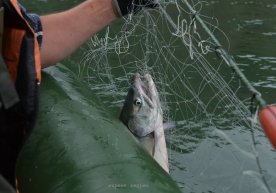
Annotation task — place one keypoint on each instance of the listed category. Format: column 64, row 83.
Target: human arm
column 64, row 32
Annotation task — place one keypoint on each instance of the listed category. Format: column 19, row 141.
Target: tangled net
column 218, row 145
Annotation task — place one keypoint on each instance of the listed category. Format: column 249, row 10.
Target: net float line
column 267, row 113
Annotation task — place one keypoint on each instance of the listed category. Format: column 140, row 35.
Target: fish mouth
column 146, row 86
column 142, row 107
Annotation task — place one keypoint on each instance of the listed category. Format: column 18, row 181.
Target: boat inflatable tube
column 78, row 146
column 267, row 118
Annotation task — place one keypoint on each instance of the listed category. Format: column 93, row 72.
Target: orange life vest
column 20, row 76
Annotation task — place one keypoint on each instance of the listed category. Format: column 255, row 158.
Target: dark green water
column 201, row 159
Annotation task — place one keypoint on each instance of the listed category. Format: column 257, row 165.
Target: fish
column 143, row 115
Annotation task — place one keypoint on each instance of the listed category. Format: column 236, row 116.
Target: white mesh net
column 217, row 145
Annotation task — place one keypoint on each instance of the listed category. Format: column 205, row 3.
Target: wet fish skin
column 143, row 115
column 141, row 107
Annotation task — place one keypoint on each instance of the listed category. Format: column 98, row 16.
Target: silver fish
column 143, row 116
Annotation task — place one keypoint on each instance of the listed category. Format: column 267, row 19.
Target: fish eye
column 137, row 102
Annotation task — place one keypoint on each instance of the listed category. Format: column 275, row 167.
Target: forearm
column 64, row 32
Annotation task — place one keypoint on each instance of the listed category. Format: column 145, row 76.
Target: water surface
column 211, row 150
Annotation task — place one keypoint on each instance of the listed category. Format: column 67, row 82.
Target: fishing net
column 217, row 145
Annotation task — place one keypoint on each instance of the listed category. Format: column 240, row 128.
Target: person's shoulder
column 34, row 20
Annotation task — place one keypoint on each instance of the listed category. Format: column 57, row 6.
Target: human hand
column 124, row 7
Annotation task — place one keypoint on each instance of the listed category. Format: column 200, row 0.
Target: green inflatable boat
column 79, row 147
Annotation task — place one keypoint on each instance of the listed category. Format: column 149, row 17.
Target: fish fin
column 167, row 126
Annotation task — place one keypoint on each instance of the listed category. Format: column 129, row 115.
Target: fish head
column 142, row 112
